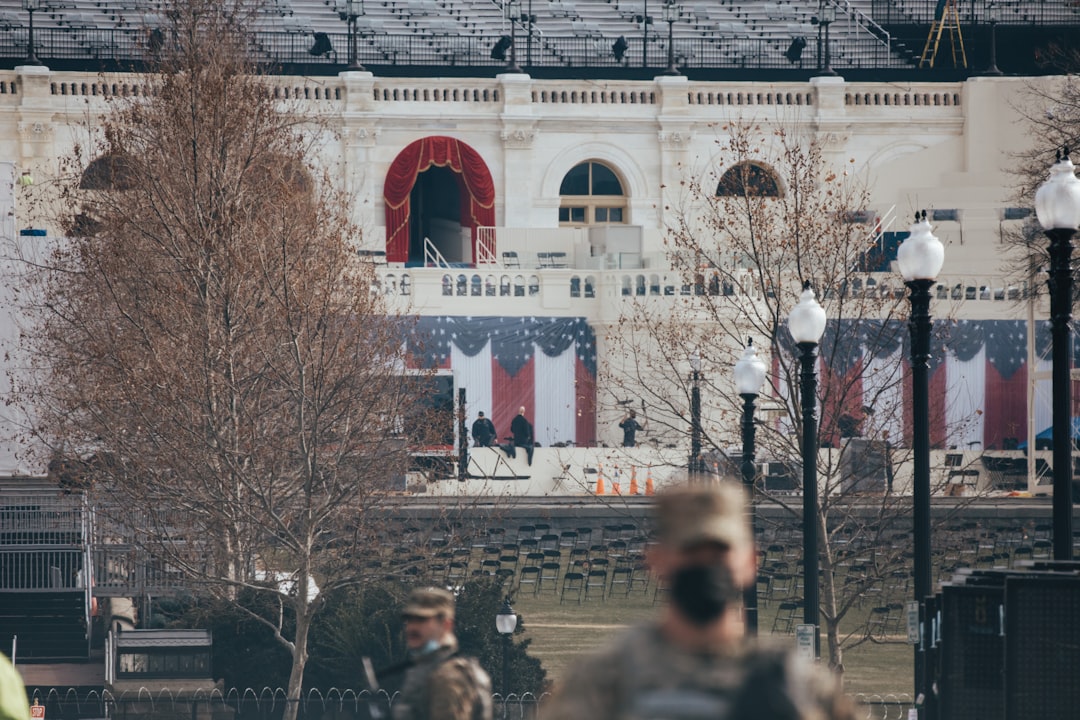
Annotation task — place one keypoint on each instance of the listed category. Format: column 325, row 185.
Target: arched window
column 475, row 286
column 748, row 179
column 447, row 285
column 534, row 285
column 590, row 286
column 462, row 285
column 592, row 194
column 489, row 286
column 519, row 286
column 575, row 286
column 504, row 286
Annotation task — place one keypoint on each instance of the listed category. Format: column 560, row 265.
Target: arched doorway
column 440, row 188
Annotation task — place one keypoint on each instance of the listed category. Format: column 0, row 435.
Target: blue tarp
column 1048, row 433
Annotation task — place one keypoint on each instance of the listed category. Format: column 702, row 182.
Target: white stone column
column 518, row 133
column 359, row 133
column 674, row 137
column 830, row 115
column 36, row 150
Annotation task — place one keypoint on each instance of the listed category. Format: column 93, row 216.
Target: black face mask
column 702, row 592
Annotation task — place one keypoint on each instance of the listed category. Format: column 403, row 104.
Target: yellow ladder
column 946, row 17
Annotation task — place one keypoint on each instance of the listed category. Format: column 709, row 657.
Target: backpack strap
column 479, row 682
column 764, row 692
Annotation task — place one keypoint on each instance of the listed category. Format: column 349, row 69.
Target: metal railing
column 975, row 12
column 268, row 704
column 36, row 568
column 50, row 519
column 127, row 571
column 867, row 24
column 123, row 48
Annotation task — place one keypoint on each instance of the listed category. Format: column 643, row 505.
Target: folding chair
column 573, row 582
column 596, row 582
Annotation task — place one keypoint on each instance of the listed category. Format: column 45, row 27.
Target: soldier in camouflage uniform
column 439, row 684
column 694, row 662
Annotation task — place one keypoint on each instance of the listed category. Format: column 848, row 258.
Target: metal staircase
column 45, row 576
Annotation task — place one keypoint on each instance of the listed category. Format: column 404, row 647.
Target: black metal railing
column 266, row 704
column 33, row 568
column 124, row 47
column 976, row 12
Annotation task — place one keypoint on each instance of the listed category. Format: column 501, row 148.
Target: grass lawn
column 561, row 632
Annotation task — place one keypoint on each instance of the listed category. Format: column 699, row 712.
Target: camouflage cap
column 428, row 602
column 709, row 512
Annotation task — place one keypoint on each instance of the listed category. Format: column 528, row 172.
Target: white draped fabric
column 474, row 374
column 556, row 419
column 965, row 390
column 883, row 390
column 1044, row 396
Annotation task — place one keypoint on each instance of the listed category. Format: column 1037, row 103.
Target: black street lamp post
column 1057, row 205
column 827, row 18
column 920, row 258
column 695, row 464
column 646, row 21
column 749, row 377
column 992, row 14
column 506, row 622
column 31, row 6
column 807, row 324
column 528, row 40
column 353, row 10
column 513, row 13
column 671, row 14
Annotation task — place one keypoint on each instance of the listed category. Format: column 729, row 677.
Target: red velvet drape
column 478, row 202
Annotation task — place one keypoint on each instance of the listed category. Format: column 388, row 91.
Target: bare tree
column 1050, row 108
column 206, row 342
column 744, row 239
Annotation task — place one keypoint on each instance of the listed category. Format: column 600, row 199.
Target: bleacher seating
column 578, row 32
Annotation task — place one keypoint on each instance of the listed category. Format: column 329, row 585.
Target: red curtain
column 478, row 200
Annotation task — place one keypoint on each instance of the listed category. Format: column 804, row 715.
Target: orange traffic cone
column 633, row 480
column 649, row 489
column 600, row 480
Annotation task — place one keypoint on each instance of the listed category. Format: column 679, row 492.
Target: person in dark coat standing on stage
column 521, row 431
column 483, row 431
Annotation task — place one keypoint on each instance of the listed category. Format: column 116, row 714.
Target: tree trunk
column 828, row 596
column 299, row 654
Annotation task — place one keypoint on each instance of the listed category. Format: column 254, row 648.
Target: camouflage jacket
column 642, row 676
column 444, row 686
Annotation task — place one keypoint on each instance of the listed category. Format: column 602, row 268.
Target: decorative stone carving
column 830, row 139
column 518, row 137
column 675, row 139
column 364, row 136
column 36, row 131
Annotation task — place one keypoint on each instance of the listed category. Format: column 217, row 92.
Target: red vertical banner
column 938, row 425
column 841, row 404
column 510, row 392
column 585, row 394
column 1006, row 408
